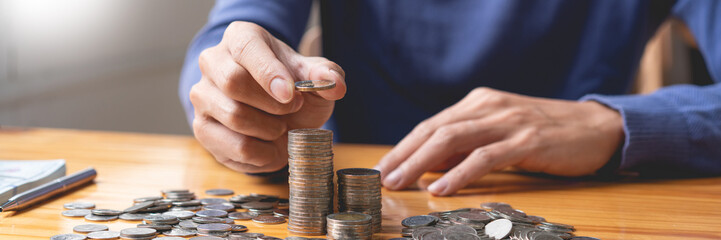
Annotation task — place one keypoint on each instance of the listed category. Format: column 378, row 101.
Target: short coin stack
column 350, row 225
column 359, row 190
column 310, row 167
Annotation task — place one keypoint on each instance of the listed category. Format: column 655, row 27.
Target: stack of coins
column 350, row 225
column 359, row 190
column 310, row 167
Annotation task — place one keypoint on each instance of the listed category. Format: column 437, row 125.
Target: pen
column 48, row 190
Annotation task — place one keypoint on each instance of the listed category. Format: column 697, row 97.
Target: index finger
column 249, row 45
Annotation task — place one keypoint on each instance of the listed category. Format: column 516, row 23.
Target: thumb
column 323, row 69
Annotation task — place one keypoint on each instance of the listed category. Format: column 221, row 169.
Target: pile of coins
column 350, row 225
column 493, row 221
column 177, row 213
column 359, row 190
column 310, row 167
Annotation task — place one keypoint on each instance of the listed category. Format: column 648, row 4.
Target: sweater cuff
column 656, row 135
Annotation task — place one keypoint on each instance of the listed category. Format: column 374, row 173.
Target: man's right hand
column 246, row 101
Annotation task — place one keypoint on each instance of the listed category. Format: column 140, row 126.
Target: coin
column 219, row 192
column 181, row 215
column 137, row 232
column 499, row 228
column 79, row 205
column 99, row 218
column 68, row 236
column 241, row 215
column 147, row 199
column 265, row 219
column 238, row 228
column 211, row 213
column 179, row 232
column 349, row 225
column 139, row 207
column 310, row 167
column 359, row 190
column 76, row 212
column 314, row 85
column 227, row 207
column 169, row 238
column 419, row 221
column 106, row 212
column 207, row 238
column 104, row 235
column 209, row 201
column 86, row 228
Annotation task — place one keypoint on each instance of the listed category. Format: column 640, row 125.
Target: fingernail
column 281, row 89
column 336, row 73
column 393, row 179
column 438, row 187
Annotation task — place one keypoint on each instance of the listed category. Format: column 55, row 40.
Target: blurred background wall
column 96, row 64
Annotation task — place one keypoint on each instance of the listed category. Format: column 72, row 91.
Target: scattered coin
column 241, row 215
column 219, row 192
column 99, row 218
column 419, row 221
column 212, row 213
column 265, row 219
column 79, row 205
column 133, row 216
column 147, row 199
column 106, row 212
column 135, row 233
column 68, row 236
column 76, row 212
column 314, row 85
column 139, row 207
column 86, row 228
column 104, row 235
column 179, row 232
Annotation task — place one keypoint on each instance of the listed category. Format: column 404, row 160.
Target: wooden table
column 137, row 165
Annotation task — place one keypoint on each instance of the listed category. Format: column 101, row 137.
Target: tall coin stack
column 350, row 225
column 359, row 190
column 310, row 167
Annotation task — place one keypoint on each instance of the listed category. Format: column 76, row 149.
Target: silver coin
column 179, row 232
column 211, row 213
column 104, row 235
column 133, row 216
column 182, row 215
column 209, row 201
column 86, row 228
column 258, row 205
column 169, row 238
column 98, row 218
column 499, row 228
column 419, row 221
column 188, row 224
column 139, row 207
column 68, row 236
column 76, row 212
column 157, row 227
column 138, row 232
column 238, row 228
column 241, row 215
column 146, row 199
column 227, row 207
column 459, row 228
column 79, row 205
column 266, row 219
column 106, row 212
column 219, row 192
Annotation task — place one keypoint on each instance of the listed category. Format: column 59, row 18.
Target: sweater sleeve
column 678, row 128
column 286, row 20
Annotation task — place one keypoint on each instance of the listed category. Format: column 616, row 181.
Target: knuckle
column 237, row 117
column 195, row 94
column 481, row 91
column 444, row 136
column 424, row 128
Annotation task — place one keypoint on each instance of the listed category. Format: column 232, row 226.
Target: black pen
column 48, row 190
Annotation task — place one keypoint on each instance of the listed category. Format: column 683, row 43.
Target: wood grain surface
column 137, row 165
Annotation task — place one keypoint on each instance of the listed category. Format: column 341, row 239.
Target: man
column 487, row 85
